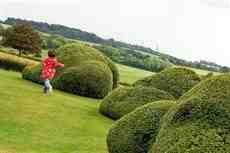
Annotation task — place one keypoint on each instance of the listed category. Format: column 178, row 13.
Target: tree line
column 58, row 33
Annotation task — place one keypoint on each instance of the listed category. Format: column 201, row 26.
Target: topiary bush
column 136, row 132
column 200, row 121
column 175, row 81
column 13, row 62
column 93, row 79
column 87, row 72
column 32, row 73
column 125, row 99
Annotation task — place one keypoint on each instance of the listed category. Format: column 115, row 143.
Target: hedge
column 92, row 79
column 200, row 121
column 175, row 81
column 87, row 72
column 13, row 62
column 125, row 99
column 136, row 132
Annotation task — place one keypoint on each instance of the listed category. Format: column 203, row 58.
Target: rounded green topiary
column 175, row 81
column 125, row 99
column 32, row 73
column 87, row 72
column 200, row 122
column 135, row 132
column 93, row 79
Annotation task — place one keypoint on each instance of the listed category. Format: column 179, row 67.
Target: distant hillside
column 78, row 34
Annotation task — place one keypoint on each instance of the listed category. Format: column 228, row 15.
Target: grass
column 203, row 72
column 130, row 75
column 5, row 25
column 32, row 122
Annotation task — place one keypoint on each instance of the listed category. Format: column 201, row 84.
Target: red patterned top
column 48, row 69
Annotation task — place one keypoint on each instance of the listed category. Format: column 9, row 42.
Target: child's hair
column 51, row 53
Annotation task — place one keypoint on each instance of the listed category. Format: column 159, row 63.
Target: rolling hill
column 86, row 37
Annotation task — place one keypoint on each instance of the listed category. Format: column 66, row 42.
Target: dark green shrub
column 136, row 132
column 93, row 79
column 38, row 55
column 175, row 81
column 125, row 99
column 76, row 54
column 200, row 121
column 15, row 63
column 87, row 72
column 115, row 71
column 32, row 73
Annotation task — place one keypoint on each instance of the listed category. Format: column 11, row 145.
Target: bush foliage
column 200, row 122
column 135, row 132
column 175, row 81
column 15, row 63
column 32, row 73
column 93, row 79
column 87, row 72
column 125, row 99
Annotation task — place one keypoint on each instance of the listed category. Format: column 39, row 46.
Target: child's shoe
column 50, row 89
column 45, row 90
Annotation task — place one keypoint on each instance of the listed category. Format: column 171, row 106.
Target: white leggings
column 48, row 85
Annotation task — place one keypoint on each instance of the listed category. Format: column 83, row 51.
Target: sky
column 188, row 29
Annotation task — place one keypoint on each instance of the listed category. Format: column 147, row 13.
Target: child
column 49, row 66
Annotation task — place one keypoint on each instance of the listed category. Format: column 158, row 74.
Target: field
column 5, row 25
column 130, row 75
column 59, row 123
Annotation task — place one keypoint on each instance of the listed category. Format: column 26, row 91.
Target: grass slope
column 130, row 75
column 59, row 123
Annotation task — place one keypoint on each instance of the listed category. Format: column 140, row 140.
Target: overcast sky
column 189, row 29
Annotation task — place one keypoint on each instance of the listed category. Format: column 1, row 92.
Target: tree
column 55, row 41
column 225, row 69
column 1, row 33
column 23, row 37
column 1, row 30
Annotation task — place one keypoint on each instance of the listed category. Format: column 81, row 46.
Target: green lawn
column 5, row 25
column 203, row 72
column 32, row 122
column 130, row 74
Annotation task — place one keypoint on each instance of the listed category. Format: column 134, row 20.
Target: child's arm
column 58, row 64
column 43, row 63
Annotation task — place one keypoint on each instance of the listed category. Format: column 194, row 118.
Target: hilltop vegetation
column 134, row 58
column 77, row 34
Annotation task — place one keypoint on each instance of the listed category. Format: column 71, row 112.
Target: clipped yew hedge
column 87, row 72
column 136, row 132
column 93, row 79
column 175, row 81
column 14, row 63
column 123, row 100
column 200, row 122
